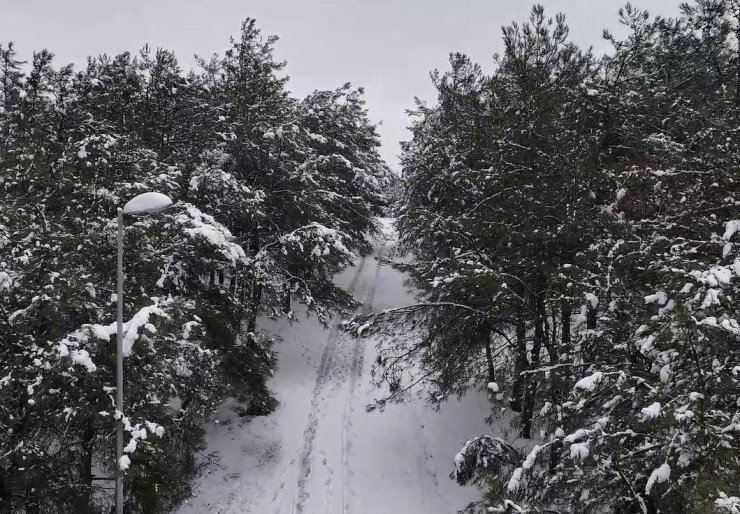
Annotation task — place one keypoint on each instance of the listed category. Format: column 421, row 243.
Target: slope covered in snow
column 320, row 451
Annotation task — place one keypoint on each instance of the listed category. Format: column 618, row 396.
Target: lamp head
column 147, row 203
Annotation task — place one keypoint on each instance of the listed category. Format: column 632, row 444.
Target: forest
column 273, row 195
column 573, row 224
column 568, row 222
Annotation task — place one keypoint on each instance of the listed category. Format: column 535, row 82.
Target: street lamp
column 145, row 203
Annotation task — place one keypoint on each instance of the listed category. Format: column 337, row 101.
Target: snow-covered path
column 320, row 451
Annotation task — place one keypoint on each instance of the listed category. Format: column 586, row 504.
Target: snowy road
column 320, row 451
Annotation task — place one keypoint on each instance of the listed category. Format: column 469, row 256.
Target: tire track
column 358, row 354
column 309, row 434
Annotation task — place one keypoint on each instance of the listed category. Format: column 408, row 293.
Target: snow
column 6, row 281
column 665, row 373
column 711, row 298
column 131, row 327
column 131, row 446
column 575, row 436
column 715, row 276
column 686, row 288
column 124, row 462
column 515, row 480
column 645, row 344
column 729, row 504
column 651, row 412
column 460, row 457
column 592, row 299
column 579, row 451
column 82, row 357
column 658, row 476
column 493, row 387
column 660, row 298
column 147, row 202
column 511, row 505
column 667, row 308
column 90, row 289
column 730, row 229
column 726, row 250
column 388, row 229
column 531, row 457
column 321, row 451
column 187, row 328
column 140, row 319
column 589, row 383
column 158, row 430
column 200, row 225
column 362, row 328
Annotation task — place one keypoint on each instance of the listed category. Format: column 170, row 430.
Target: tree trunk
column 83, row 504
column 6, row 494
column 737, row 63
column 232, row 283
column 556, row 452
column 286, row 298
column 32, row 502
column 256, row 293
column 530, row 389
column 486, row 336
column 560, row 355
column 565, row 314
column 591, row 315
column 558, row 388
column 520, row 362
column 650, row 503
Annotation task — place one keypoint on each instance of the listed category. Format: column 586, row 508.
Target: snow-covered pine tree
column 502, row 195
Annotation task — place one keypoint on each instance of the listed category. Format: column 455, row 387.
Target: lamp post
column 145, row 203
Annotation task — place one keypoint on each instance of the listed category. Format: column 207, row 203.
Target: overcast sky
column 386, row 46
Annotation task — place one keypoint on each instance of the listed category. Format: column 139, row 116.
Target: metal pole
column 119, row 370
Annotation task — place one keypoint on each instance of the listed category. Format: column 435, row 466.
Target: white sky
column 386, row 46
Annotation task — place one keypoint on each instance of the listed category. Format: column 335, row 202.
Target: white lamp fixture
column 147, row 203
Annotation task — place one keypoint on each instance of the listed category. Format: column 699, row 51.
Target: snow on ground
column 320, row 451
